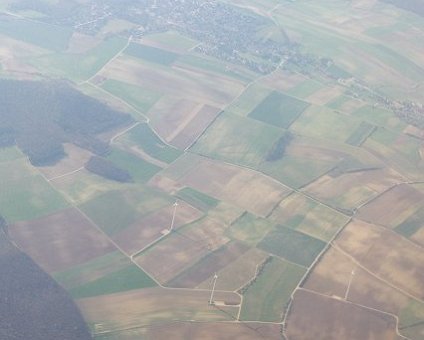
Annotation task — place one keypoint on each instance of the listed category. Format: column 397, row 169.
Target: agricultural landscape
column 247, row 169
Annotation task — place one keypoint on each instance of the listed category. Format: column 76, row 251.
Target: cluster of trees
column 40, row 116
column 279, row 148
column 105, row 168
column 32, row 305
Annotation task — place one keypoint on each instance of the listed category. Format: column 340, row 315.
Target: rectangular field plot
column 143, row 307
column 379, row 117
column 207, row 88
column 292, row 245
column 151, row 54
column 145, row 143
column 308, row 216
column 278, row 109
column 25, row 194
column 61, row 240
column 197, row 199
column 182, row 249
column 265, row 298
column 43, row 35
column 145, row 230
column 361, row 134
column 79, row 67
column 336, row 319
column 212, row 331
column 128, row 278
column 250, row 229
column 244, row 188
column 386, row 254
column 237, row 273
column 170, row 40
column 394, row 207
column 138, row 97
column 208, row 265
column 350, row 190
column 227, row 141
column 249, row 99
column 321, row 122
column 115, row 210
column 139, row 169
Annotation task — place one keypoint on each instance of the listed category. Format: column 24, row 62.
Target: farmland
column 218, row 169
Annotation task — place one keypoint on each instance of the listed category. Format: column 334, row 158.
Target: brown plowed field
column 61, row 240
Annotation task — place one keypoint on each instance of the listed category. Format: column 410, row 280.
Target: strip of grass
column 197, row 199
column 131, row 277
column 267, row 297
column 278, row 109
column 140, row 98
column 151, row 54
column 292, row 245
column 361, row 133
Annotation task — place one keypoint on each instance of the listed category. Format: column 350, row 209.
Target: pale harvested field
column 393, row 207
column 81, row 43
column 207, row 89
column 419, row 236
column 180, row 250
column 242, row 187
column 61, row 240
column 331, row 275
column 149, row 228
column 153, row 305
column 75, row 159
column 349, row 190
column 315, row 317
column 282, row 80
column 325, row 95
column 188, row 133
column 386, row 254
column 213, row 331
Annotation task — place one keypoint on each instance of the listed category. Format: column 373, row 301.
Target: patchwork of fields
column 258, row 203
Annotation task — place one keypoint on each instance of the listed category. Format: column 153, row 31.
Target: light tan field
column 386, row 254
column 350, row 190
column 213, row 331
column 212, row 90
column 392, row 207
column 283, row 80
column 325, row 95
column 244, row 188
column 61, row 240
column 154, row 305
column 331, row 275
column 143, row 232
column 75, row 159
column 81, row 43
column 313, row 316
column 181, row 249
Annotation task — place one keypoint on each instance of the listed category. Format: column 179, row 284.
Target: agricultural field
column 266, row 181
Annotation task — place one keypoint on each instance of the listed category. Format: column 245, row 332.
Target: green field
column 10, row 154
column 151, row 54
column 197, row 199
column 130, row 277
column 79, row 67
column 267, row 298
column 143, row 137
column 278, row 109
column 47, row 36
column 412, row 224
column 305, row 89
column 379, row 117
column 140, row 98
column 115, row 210
column 139, row 169
column 238, row 140
column 249, row 99
column 250, row 229
column 292, row 245
column 24, row 194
